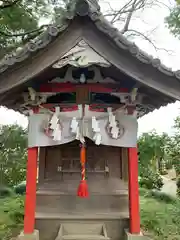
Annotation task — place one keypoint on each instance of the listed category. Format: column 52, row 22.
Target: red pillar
column 31, row 178
column 30, row 202
column 134, row 213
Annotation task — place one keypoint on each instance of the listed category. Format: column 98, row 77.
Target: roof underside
column 32, row 64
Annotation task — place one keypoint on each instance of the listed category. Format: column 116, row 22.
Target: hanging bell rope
column 83, row 187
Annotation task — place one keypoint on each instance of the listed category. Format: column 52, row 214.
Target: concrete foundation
column 49, row 228
column 81, row 231
column 33, row 236
column 129, row 236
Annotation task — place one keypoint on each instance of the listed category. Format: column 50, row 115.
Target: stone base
column 129, row 236
column 33, row 236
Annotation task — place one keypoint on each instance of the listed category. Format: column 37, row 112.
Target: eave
column 151, row 98
column 41, row 53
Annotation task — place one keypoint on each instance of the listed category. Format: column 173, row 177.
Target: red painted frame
column 71, row 87
column 134, row 212
column 74, row 107
column 31, row 176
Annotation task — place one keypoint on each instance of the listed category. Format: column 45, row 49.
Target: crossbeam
column 71, row 87
column 74, row 107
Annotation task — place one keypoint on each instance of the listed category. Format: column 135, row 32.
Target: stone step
column 83, row 237
column 79, row 216
column 82, row 231
column 49, row 226
column 56, row 203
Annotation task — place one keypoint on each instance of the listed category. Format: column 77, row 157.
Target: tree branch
column 23, row 34
column 122, row 10
column 129, row 16
column 8, row 4
column 110, row 7
column 137, row 33
column 159, row 3
column 127, row 8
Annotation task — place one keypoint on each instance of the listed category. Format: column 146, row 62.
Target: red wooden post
column 30, row 202
column 133, row 191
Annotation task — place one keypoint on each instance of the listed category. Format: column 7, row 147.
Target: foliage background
column 21, row 22
column 13, row 145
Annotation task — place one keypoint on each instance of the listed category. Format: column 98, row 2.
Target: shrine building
column 83, row 86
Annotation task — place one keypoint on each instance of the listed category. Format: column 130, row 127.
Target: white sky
column 161, row 120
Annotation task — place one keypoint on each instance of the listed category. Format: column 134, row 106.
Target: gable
column 82, row 55
column 105, row 46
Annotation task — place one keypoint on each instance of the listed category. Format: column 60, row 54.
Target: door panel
column 63, row 162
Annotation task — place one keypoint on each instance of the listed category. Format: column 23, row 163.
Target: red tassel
column 83, row 189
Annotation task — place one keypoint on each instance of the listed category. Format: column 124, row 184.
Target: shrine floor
column 55, row 207
column 49, row 226
column 81, row 216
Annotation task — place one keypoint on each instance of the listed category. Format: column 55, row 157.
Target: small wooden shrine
column 83, row 86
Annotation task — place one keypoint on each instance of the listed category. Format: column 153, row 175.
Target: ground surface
column 160, row 216
column 169, row 186
column 11, row 217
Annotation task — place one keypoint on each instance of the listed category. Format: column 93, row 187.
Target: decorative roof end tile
column 53, row 31
column 156, row 62
column 83, row 7
column 133, row 49
column 144, row 57
column 94, row 5
column 166, row 70
column 32, row 46
column 177, row 74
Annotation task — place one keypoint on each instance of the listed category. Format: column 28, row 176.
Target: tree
column 129, row 12
column 173, row 147
column 173, row 20
column 173, row 151
column 152, row 152
column 16, row 19
column 20, row 19
column 152, row 159
column 13, row 145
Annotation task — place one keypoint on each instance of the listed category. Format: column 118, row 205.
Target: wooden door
column 63, row 162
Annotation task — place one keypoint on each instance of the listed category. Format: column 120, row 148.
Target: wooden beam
column 63, row 107
column 74, row 107
column 57, row 87
column 91, row 87
column 82, row 94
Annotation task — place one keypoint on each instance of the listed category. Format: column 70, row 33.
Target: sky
column 150, row 22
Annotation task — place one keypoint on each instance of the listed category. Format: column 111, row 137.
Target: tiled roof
column 91, row 9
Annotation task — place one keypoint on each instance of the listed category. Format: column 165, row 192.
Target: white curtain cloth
column 37, row 136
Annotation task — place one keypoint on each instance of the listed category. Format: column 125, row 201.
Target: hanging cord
column 83, row 187
column 83, row 161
